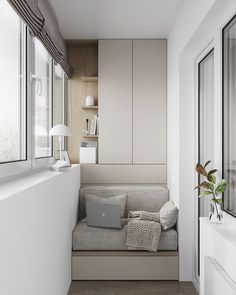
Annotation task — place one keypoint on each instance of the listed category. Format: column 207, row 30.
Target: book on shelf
column 97, row 131
column 93, row 126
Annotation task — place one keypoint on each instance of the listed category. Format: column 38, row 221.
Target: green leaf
column 218, row 201
column 203, row 184
column 208, row 162
column 221, row 187
column 212, row 171
column 205, row 193
column 211, row 178
column 201, row 170
column 210, row 185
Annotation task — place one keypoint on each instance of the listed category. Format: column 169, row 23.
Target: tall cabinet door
column 149, row 101
column 115, row 101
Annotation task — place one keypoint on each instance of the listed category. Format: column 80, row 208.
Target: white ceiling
column 97, row 19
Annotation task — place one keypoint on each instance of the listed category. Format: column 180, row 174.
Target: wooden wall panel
column 83, row 56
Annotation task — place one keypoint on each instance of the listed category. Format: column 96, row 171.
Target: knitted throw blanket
column 143, row 231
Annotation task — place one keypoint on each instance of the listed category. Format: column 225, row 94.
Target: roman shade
column 29, row 12
column 42, row 22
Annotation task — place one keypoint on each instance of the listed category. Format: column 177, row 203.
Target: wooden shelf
column 90, row 108
column 90, row 136
column 89, row 79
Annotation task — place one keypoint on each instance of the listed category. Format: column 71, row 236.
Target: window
column 59, row 83
column 229, row 115
column 205, row 126
column 32, row 97
column 12, row 86
column 43, row 101
column 58, row 95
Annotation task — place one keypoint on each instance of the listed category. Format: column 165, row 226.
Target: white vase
column 89, row 101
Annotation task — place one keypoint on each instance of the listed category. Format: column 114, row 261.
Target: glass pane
column 206, row 119
column 58, row 104
column 205, row 126
column 43, row 98
column 229, row 106
column 58, row 95
column 12, row 87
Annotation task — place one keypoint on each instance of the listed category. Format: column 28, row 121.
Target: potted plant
column 214, row 187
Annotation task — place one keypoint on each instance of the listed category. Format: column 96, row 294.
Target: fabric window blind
column 42, row 22
column 29, row 12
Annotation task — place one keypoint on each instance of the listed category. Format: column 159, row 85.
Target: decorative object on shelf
column 89, row 101
column 213, row 187
column 94, row 125
column 86, row 131
column 87, row 124
column 61, row 131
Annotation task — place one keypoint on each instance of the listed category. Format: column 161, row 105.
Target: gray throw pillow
column 119, row 199
column 168, row 215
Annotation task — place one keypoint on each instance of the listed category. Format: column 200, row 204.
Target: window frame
column 47, row 161
column 12, row 168
column 9, row 170
column 64, row 101
column 233, row 21
column 211, row 46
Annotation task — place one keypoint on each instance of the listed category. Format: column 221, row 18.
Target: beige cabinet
column 149, row 101
column 132, row 101
column 115, row 101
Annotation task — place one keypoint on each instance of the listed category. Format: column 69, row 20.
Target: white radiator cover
column 217, row 281
column 218, row 256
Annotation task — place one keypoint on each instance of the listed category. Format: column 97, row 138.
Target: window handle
column 38, row 83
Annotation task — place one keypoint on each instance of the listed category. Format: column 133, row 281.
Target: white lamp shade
column 60, row 130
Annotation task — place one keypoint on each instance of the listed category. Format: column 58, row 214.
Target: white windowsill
column 12, row 187
column 226, row 231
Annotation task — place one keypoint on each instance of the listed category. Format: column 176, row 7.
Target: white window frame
column 43, row 162
column 200, row 57
column 10, row 170
column 64, row 101
column 15, row 168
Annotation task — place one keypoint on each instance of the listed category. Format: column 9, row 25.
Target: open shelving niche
column 92, row 109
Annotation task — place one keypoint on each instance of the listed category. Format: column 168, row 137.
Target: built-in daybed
column 102, row 254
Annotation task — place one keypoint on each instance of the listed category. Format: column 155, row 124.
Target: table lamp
column 60, row 131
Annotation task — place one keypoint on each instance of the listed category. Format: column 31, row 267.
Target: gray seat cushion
column 139, row 197
column 94, row 238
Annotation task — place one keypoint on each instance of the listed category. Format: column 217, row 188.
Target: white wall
column 200, row 31
column 189, row 18
column 37, row 216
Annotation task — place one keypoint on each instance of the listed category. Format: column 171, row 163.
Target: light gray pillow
column 119, row 199
column 168, row 215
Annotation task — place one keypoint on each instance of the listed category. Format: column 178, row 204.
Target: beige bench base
column 125, row 265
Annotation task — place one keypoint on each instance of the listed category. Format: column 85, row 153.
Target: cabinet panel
column 115, row 101
column 149, row 101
